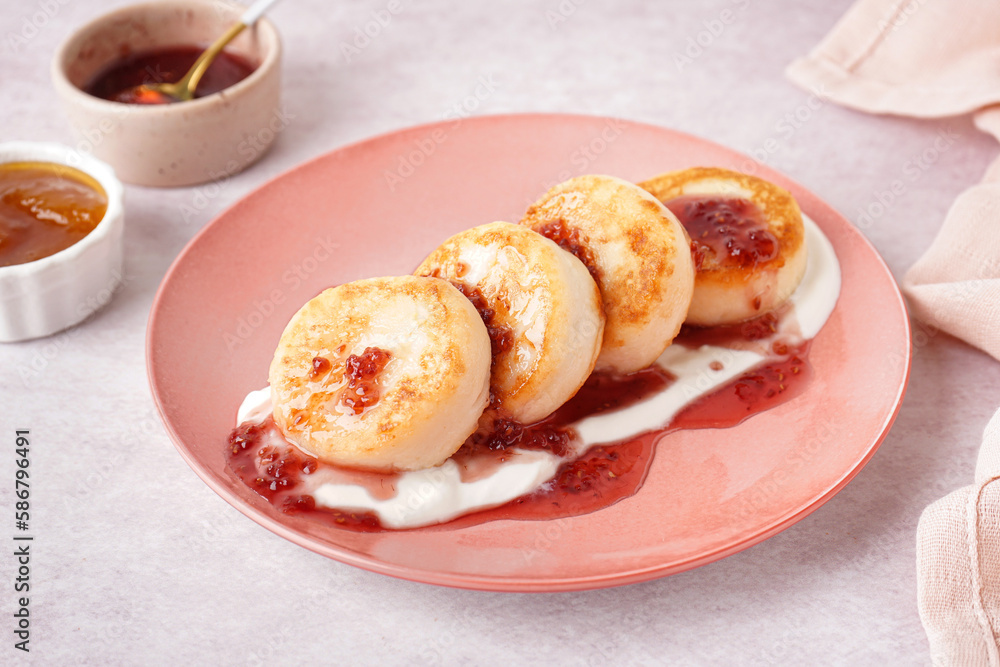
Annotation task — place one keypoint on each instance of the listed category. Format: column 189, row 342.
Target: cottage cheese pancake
column 383, row 373
column 747, row 239
column 639, row 256
column 540, row 305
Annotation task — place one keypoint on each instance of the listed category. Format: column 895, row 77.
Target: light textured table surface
column 136, row 561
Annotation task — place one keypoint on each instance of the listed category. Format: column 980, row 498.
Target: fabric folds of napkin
column 958, row 565
column 928, row 59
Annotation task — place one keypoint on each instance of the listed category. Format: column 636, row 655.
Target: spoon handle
column 255, row 11
column 250, row 16
column 193, row 77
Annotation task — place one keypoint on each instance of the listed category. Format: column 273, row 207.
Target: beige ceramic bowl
column 179, row 144
column 52, row 293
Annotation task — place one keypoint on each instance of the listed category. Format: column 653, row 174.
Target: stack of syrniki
column 394, row 373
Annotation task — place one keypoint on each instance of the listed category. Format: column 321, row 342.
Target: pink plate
column 377, row 208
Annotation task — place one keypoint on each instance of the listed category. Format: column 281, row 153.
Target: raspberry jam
column 274, row 468
column 781, row 377
column 732, row 335
column 362, row 371
column 501, row 336
column 725, row 231
column 499, row 434
column 604, row 474
column 119, row 80
column 600, row 393
column 569, row 239
column 320, row 367
column 756, row 390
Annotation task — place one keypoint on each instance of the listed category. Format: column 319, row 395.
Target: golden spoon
column 183, row 90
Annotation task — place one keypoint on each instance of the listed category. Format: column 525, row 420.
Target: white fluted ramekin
column 49, row 294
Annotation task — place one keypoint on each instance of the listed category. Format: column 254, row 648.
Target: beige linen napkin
column 958, row 565
column 932, row 58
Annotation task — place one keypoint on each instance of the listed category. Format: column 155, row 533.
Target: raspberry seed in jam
column 725, row 231
column 362, row 371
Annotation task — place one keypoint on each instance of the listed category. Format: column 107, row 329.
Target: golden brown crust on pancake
column 642, row 262
column 542, row 298
column 438, row 350
column 727, row 293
